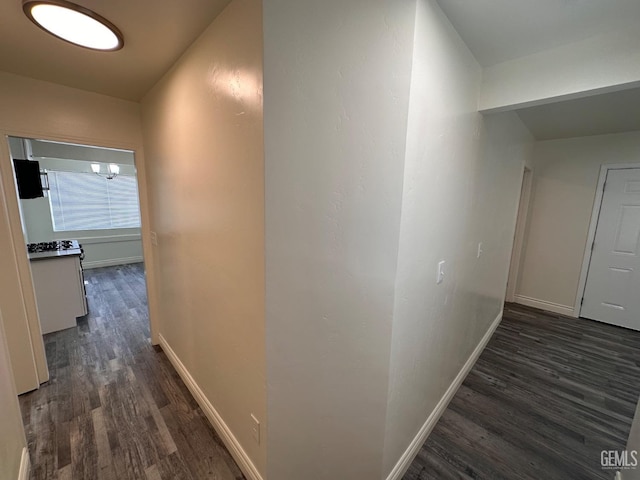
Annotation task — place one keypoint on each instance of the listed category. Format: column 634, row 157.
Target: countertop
column 55, row 254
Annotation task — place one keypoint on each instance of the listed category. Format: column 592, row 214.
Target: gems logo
column 619, row 460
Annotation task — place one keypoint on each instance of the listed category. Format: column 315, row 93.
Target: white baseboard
column 407, row 457
column 110, row 262
column 128, row 237
column 230, row 441
column 544, row 305
column 25, row 465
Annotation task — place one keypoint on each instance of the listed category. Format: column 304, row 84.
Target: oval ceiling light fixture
column 74, row 24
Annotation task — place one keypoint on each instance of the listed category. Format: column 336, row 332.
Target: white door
column 612, row 292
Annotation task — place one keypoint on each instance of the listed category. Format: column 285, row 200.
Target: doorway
column 612, row 283
column 519, row 235
column 85, row 216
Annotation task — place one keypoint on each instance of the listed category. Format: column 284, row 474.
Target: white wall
column 564, row 188
column 102, row 247
column 204, row 143
column 12, row 439
column 462, row 181
column 35, row 109
column 599, row 64
column 361, row 342
column 336, row 100
column 633, row 443
column 27, row 357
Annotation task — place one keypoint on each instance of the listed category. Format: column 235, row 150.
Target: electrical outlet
column 255, row 429
column 154, row 239
column 480, row 251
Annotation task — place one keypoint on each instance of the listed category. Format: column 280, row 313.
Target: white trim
column 111, row 262
column 522, row 213
column 545, row 305
column 25, row 465
column 131, row 237
column 18, row 248
column 593, row 225
column 407, row 457
column 230, row 441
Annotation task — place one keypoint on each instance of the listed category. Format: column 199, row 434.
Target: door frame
column 19, row 250
column 519, row 234
column 593, row 225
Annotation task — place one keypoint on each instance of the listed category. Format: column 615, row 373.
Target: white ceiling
column 597, row 115
column 499, row 30
column 156, row 32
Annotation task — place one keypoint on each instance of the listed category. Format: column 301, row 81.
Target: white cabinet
column 59, row 287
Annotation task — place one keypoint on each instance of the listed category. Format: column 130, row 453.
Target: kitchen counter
column 55, row 253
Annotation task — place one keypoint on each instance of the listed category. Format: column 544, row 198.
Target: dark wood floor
column 114, row 407
column 547, row 395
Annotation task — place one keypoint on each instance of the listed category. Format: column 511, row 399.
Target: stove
column 58, row 280
column 58, row 245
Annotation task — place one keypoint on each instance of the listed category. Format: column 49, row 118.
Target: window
column 85, row 201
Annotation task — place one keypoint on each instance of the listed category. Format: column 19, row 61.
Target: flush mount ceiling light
column 74, row 24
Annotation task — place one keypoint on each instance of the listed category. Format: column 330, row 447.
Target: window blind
column 85, row 201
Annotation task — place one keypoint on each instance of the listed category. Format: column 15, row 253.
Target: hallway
column 114, row 407
column 546, row 396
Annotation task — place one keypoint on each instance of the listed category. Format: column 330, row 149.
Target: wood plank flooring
column 547, row 395
column 114, row 407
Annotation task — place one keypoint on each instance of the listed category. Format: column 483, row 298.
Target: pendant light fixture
column 112, row 170
column 74, row 24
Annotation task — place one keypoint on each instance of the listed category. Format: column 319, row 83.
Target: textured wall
column 462, row 181
column 564, row 187
column 336, row 98
column 203, row 137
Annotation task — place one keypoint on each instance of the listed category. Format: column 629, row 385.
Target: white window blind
column 86, row 201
